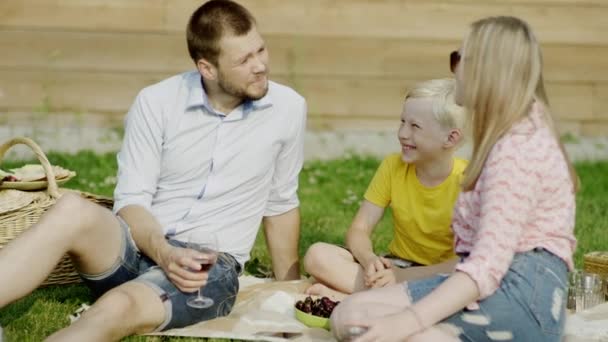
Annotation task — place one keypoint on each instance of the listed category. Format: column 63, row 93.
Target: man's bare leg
column 334, row 267
column 125, row 310
column 89, row 233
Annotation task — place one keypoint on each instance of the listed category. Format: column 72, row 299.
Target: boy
column 421, row 184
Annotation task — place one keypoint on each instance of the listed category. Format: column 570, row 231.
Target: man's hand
column 183, row 267
column 373, row 266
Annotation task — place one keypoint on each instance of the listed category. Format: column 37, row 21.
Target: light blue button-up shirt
column 195, row 168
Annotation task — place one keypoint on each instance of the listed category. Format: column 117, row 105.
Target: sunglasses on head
column 454, row 60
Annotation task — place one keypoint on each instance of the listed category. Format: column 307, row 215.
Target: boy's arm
column 358, row 237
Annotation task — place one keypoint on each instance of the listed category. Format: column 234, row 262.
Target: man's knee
column 117, row 303
column 316, row 256
column 74, row 205
column 134, row 305
column 71, row 202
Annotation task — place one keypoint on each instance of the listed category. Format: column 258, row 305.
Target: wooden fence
column 352, row 59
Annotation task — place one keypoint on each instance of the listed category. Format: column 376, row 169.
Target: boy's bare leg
column 89, row 233
column 334, row 267
column 125, row 310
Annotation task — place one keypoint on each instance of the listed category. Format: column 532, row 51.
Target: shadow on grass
column 71, row 295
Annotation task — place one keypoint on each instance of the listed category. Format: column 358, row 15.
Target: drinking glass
column 207, row 244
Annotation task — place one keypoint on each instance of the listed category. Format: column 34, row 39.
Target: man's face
column 243, row 66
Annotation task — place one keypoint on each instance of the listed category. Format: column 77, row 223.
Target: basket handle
column 52, row 188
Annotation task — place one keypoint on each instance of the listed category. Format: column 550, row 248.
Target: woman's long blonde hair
column 502, row 79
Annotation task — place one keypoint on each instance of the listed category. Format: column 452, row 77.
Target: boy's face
column 421, row 137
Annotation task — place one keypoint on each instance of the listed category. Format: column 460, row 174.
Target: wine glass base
column 200, row 302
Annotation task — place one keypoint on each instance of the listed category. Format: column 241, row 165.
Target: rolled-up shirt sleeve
column 140, row 155
column 284, row 190
column 506, row 192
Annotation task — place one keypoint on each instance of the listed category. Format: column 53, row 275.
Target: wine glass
column 207, row 244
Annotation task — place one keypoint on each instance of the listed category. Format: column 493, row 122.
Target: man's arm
column 139, row 164
column 149, row 238
column 146, row 231
column 282, row 237
column 282, row 215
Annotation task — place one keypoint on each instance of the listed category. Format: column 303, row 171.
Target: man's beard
column 238, row 92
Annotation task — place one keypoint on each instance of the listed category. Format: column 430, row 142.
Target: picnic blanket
column 264, row 311
column 587, row 326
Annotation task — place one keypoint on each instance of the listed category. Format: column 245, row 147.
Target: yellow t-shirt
column 421, row 215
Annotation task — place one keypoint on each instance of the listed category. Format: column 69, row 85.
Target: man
column 219, row 150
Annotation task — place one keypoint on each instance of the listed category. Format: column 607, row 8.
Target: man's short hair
column 210, row 22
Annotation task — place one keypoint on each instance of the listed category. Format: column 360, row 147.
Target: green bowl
column 312, row 321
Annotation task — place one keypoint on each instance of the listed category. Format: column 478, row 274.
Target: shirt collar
column 197, row 97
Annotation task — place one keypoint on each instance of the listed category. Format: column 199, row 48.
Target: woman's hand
column 392, row 328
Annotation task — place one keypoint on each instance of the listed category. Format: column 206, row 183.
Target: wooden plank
column 332, row 123
column 595, row 128
column 74, row 91
column 586, row 3
column 47, row 91
column 564, row 22
column 94, row 51
column 315, row 122
column 565, row 126
column 65, row 119
column 105, row 15
column 436, row 20
column 291, row 56
column 353, row 97
column 600, row 101
column 571, row 101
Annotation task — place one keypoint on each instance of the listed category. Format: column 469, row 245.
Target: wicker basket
column 21, row 209
column 597, row 262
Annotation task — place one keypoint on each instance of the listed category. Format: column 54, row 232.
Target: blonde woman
column 420, row 184
column 513, row 223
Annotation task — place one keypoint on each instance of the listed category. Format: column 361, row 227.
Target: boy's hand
column 382, row 278
column 375, row 264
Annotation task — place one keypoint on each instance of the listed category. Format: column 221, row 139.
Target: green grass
column 330, row 192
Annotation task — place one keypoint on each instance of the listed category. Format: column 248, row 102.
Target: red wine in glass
column 205, row 243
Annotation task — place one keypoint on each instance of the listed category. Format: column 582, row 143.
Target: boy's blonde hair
column 445, row 111
column 502, row 79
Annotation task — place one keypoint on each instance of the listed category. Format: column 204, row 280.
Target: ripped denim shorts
column 529, row 305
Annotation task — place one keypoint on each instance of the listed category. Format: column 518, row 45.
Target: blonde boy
column 420, row 184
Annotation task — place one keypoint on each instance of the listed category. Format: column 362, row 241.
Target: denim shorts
column 395, row 260
column 529, row 305
column 222, row 285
